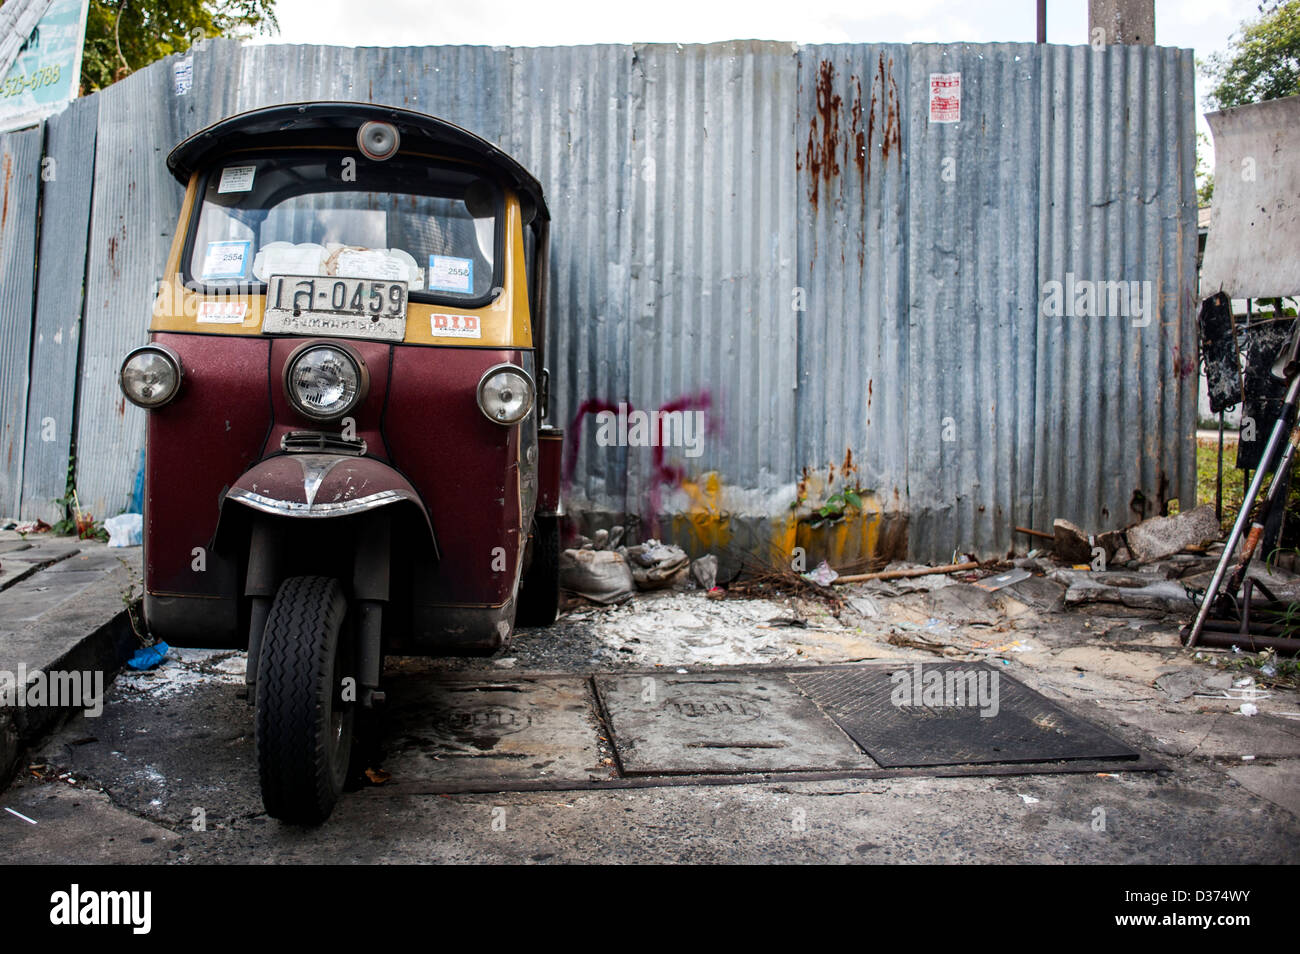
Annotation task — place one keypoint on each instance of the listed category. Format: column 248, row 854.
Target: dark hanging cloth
column 1265, row 341
column 1219, row 353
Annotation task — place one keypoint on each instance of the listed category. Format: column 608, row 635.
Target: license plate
column 339, row 307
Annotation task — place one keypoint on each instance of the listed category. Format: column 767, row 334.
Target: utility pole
column 1042, row 21
column 1122, row 22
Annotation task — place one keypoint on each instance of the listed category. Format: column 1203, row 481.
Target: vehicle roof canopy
column 336, row 124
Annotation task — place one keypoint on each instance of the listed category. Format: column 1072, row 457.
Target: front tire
column 304, row 727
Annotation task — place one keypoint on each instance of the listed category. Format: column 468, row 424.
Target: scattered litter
column 1028, row 799
column 865, row 606
column 21, row 815
column 34, row 526
column 656, row 565
column 1248, row 758
column 1249, row 709
column 704, row 572
column 994, row 583
column 823, row 575
column 148, row 657
column 125, row 530
column 378, row 776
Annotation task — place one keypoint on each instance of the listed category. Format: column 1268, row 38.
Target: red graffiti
column 663, row 474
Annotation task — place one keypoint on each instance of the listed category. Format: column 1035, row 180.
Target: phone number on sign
column 17, row 85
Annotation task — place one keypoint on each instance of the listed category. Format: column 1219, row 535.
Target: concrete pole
column 1125, row 22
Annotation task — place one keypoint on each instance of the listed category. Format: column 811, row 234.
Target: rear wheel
column 304, row 724
column 539, row 592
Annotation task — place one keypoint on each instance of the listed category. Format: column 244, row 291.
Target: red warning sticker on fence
column 945, row 97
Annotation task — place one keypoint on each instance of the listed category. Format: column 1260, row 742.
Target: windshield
column 329, row 214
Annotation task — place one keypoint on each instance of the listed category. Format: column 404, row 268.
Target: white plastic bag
column 125, row 530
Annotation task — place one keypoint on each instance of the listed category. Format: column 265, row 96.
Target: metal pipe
column 1243, row 516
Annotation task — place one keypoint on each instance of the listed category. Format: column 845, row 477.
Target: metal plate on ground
column 720, row 723
column 468, row 729
column 906, row 719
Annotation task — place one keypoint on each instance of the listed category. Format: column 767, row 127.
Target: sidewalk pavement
column 63, row 606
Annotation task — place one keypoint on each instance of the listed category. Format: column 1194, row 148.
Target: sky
column 1202, row 25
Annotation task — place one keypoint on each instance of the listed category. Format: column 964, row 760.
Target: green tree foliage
column 125, row 35
column 1262, row 61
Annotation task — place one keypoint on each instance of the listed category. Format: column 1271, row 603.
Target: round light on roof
column 378, row 141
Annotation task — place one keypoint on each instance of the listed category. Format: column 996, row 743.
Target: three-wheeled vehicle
column 344, row 384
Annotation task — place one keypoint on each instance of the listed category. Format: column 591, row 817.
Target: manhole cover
column 666, row 724
column 927, row 714
column 455, row 727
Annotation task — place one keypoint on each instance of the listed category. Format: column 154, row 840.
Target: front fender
column 320, row 486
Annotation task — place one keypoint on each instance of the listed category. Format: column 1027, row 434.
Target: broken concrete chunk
column 1164, row 595
column 1160, row 537
column 1071, row 544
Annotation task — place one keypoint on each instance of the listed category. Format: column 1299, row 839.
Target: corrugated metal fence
column 777, row 236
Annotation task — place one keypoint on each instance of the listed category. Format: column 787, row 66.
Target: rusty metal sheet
column 1251, row 250
column 20, row 169
column 1115, row 396
column 56, row 333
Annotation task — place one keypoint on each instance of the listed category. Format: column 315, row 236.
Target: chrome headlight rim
column 487, row 376
column 358, row 365
column 168, row 355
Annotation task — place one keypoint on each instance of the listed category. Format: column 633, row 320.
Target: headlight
column 505, row 394
column 150, row 376
column 324, row 381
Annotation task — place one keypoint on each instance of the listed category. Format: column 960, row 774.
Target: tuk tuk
column 345, row 384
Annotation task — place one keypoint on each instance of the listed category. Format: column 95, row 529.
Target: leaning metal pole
column 1248, row 504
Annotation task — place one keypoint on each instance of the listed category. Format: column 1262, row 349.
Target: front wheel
column 305, row 716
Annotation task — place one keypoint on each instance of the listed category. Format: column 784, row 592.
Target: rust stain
column 847, row 467
column 859, row 137
column 4, row 213
column 870, row 393
column 861, row 160
column 892, row 125
column 824, row 133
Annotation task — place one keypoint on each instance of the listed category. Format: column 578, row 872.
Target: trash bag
column 125, row 530
column 601, row 576
column 704, row 572
column 1219, row 353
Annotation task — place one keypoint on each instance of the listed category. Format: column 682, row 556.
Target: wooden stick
column 1035, row 533
column 899, row 574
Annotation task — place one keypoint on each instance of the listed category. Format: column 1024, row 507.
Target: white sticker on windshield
column 368, row 263
column 237, row 179
column 225, row 260
column 451, row 274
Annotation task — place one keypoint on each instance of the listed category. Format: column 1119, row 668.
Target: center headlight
column 505, row 394
column 324, row 382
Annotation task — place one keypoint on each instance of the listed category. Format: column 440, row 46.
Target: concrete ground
column 167, row 773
